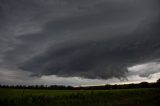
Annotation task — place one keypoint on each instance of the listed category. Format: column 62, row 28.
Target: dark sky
column 76, row 42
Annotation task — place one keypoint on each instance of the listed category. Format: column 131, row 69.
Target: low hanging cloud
column 88, row 38
column 98, row 59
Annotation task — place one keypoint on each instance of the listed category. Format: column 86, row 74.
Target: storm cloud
column 98, row 58
column 95, row 39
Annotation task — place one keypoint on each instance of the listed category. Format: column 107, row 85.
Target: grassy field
column 37, row 97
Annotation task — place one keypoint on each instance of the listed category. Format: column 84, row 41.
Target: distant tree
column 144, row 85
column 41, row 86
column 158, row 81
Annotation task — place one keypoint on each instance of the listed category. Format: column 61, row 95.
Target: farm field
column 44, row 97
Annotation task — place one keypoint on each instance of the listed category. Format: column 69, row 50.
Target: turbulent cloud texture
column 95, row 39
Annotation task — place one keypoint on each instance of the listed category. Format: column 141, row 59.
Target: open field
column 38, row 97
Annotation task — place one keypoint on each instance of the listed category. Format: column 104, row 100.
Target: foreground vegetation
column 46, row 97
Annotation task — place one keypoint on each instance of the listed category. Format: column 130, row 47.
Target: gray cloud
column 144, row 70
column 99, row 59
column 90, row 39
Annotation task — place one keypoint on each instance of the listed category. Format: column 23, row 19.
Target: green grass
column 37, row 97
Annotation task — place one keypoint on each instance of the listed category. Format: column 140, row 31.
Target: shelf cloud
column 93, row 39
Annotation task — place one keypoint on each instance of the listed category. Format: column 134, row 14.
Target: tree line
column 103, row 87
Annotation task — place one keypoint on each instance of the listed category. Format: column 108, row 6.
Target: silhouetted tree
column 158, row 83
column 144, row 85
